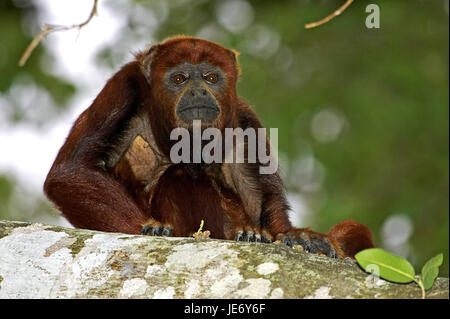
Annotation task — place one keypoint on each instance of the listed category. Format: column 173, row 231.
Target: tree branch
column 47, row 28
column 43, row 261
column 331, row 16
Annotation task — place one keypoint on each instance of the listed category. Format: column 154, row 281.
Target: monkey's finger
column 146, row 230
column 149, row 227
column 287, row 241
column 305, row 243
column 249, row 236
column 239, row 235
column 167, row 231
column 266, row 237
column 156, row 231
column 323, row 245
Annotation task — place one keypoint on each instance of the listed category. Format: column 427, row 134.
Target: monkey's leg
column 92, row 199
column 153, row 226
column 238, row 224
column 182, row 200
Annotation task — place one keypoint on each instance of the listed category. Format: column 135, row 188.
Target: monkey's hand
column 310, row 241
column 154, row 228
column 250, row 234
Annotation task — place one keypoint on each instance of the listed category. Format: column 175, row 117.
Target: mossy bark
column 43, row 261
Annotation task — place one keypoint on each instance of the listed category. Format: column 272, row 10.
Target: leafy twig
column 420, row 283
column 331, row 16
column 398, row 269
column 46, row 29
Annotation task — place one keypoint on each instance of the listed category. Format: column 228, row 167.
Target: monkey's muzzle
column 198, row 104
column 206, row 113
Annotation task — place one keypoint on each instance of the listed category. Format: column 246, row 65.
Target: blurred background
column 362, row 114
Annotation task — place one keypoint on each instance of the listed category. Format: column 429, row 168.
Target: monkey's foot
column 309, row 241
column 155, row 228
column 252, row 235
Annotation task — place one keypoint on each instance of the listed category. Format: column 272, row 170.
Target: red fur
column 349, row 237
column 96, row 192
column 173, row 204
column 87, row 196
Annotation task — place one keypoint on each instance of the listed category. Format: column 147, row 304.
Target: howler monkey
column 114, row 171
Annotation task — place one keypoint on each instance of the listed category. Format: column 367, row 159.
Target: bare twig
column 331, row 16
column 46, row 29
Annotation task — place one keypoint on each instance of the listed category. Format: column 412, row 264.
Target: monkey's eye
column 179, row 78
column 211, row 77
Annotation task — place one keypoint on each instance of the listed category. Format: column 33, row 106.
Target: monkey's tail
column 349, row 237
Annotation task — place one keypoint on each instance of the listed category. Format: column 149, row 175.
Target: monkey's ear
column 234, row 55
column 146, row 58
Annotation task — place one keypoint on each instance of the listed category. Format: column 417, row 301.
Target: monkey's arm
column 343, row 240
column 80, row 181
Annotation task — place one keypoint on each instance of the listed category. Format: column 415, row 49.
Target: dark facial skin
column 197, row 85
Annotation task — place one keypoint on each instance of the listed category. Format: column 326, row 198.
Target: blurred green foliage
column 387, row 89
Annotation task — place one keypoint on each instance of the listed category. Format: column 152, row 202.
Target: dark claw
column 311, row 243
column 287, row 241
column 323, row 245
column 145, row 230
column 304, row 243
column 239, row 235
column 310, row 248
column 248, row 236
column 266, row 240
column 156, row 231
column 167, row 232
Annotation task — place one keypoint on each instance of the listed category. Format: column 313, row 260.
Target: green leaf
column 389, row 266
column 430, row 270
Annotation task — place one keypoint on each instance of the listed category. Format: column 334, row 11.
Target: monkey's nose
column 198, row 92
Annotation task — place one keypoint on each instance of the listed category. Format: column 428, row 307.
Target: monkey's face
column 197, row 88
column 191, row 79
